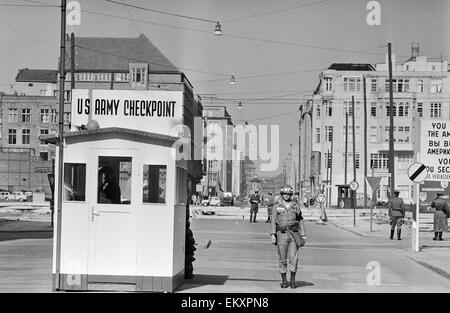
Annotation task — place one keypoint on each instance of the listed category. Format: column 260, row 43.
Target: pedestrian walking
column 270, row 203
column 254, row 201
column 396, row 214
column 288, row 233
column 441, row 214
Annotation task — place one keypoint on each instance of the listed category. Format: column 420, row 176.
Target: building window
column 386, row 131
column 12, row 115
column 318, row 112
column 405, row 160
column 403, row 109
column 26, row 115
column 420, row 109
column 121, row 77
column 154, row 190
column 43, row 132
column 45, row 117
column 114, row 180
column 53, row 116
column 329, row 133
column 352, row 84
column 388, row 109
column 327, row 160
column 379, row 161
column 403, row 134
column 373, row 85
column 373, row 109
column 328, row 108
column 357, row 158
column 74, row 182
column 328, row 83
column 436, row 110
column 67, row 117
column 25, row 136
column 12, row 136
column 420, row 85
column 138, row 75
column 348, row 108
column 373, row 134
column 318, row 135
column 436, row 86
column 398, row 85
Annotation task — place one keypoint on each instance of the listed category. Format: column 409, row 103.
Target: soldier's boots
column 284, row 283
column 440, row 236
column 399, row 233
column 293, row 284
column 392, row 234
column 435, row 235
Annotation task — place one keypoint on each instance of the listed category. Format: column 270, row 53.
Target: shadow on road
column 203, row 280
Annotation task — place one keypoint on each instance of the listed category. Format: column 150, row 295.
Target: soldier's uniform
column 254, row 200
column 270, row 204
column 287, row 225
column 440, row 217
column 397, row 213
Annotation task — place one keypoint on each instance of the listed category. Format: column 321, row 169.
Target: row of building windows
column 377, row 160
column 401, row 109
column 401, row 134
column 353, row 84
column 46, row 116
column 99, row 77
column 25, row 135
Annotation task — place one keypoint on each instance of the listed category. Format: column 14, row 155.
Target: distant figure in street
column 441, row 214
column 254, row 200
column 270, row 203
column 109, row 190
column 288, row 233
column 396, row 214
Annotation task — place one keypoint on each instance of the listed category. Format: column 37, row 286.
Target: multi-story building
column 219, row 149
column 132, row 64
column 420, row 90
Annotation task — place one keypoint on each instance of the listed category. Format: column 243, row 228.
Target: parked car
column 214, row 201
column 18, row 196
column 5, row 195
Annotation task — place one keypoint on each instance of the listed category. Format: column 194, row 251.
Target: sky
column 275, row 49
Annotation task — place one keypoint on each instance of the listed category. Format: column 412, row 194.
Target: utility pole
column 354, row 160
column 346, row 145
column 391, row 124
column 331, row 171
column 62, row 60
column 365, row 152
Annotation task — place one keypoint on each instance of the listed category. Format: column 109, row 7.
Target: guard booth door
column 113, row 213
column 344, row 197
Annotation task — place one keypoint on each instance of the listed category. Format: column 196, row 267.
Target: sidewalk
column 434, row 255
column 10, row 225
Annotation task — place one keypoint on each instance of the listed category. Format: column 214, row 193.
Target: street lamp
column 218, row 29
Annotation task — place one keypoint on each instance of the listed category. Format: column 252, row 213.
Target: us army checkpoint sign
column 435, row 149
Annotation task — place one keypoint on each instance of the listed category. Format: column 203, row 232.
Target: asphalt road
column 240, row 258
column 4, row 236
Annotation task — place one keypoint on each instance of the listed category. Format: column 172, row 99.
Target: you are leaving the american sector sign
column 435, row 149
column 145, row 110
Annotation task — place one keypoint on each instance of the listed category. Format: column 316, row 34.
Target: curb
column 349, row 230
column 24, row 231
column 435, row 269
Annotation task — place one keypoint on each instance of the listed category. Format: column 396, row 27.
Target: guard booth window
column 114, row 180
column 154, row 184
column 74, row 182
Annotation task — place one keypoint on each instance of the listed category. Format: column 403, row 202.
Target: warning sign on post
column 435, row 149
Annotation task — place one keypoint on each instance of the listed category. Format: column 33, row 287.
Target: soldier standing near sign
column 440, row 216
column 254, row 200
column 396, row 213
column 288, row 233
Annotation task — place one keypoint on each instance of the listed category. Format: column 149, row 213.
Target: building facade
column 420, row 90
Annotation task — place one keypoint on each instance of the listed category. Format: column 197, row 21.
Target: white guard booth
column 123, row 213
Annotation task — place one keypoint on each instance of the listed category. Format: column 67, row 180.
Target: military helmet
column 287, row 190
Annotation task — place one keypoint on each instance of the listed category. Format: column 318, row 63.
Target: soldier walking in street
column 288, row 233
column 270, row 204
column 396, row 213
column 441, row 214
column 254, row 200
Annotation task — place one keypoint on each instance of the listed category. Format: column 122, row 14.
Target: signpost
column 374, row 182
column 353, row 187
column 321, row 199
column 417, row 172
